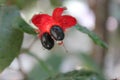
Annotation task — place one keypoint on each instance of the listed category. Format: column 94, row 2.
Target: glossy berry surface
column 47, row 41
column 57, row 33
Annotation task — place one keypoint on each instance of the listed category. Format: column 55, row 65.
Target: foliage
column 10, row 37
column 77, row 75
column 92, row 35
column 56, row 3
column 12, row 27
column 19, row 3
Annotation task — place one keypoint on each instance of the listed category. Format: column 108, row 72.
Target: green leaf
column 37, row 73
column 23, row 3
column 54, row 62
column 22, row 25
column 10, row 37
column 77, row 75
column 90, row 64
column 56, row 3
column 92, row 35
column 19, row 3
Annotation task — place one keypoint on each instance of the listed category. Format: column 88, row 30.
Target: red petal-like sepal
column 40, row 19
column 43, row 22
column 67, row 21
column 58, row 12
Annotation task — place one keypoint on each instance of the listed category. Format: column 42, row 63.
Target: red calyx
column 44, row 21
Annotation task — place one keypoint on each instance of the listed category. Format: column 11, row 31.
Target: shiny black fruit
column 57, row 32
column 47, row 41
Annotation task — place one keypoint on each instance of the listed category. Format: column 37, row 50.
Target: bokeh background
column 100, row 16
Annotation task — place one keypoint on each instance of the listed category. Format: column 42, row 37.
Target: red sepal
column 67, row 21
column 44, row 22
column 58, row 12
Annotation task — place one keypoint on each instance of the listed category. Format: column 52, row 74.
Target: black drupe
column 47, row 41
column 57, row 33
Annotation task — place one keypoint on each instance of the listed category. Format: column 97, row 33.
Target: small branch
column 35, row 39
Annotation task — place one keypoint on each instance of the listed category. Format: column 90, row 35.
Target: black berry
column 47, row 41
column 57, row 32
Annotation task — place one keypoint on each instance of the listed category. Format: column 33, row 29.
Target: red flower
column 52, row 27
column 44, row 21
